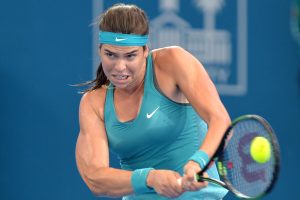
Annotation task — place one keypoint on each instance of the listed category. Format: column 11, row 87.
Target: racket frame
column 217, row 157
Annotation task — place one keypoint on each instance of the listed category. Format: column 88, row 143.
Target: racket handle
column 196, row 177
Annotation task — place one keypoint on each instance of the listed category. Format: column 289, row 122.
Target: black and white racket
column 239, row 171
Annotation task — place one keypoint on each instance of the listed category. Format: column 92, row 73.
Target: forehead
column 120, row 49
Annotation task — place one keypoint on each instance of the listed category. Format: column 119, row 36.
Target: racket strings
column 239, row 168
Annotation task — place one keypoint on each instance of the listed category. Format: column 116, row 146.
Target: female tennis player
column 157, row 110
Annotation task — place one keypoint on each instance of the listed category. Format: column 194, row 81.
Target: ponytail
column 98, row 82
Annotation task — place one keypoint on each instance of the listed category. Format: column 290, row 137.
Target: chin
column 119, row 85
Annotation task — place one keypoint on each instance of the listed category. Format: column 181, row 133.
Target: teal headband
column 120, row 39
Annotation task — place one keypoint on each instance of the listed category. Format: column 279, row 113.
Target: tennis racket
column 239, row 172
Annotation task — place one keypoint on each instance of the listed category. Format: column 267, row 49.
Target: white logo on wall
column 212, row 46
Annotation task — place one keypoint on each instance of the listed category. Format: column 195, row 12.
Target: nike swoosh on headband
column 120, row 39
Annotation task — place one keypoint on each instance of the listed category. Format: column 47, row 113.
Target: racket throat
column 212, row 180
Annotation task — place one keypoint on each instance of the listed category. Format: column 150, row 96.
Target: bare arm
column 92, row 154
column 193, row 81
column 186, row 73
column 183, row 78
column 195, row 84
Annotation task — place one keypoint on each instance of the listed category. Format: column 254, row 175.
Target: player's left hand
column 189, row 183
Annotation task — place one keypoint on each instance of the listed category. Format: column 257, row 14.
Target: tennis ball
column 260, row 149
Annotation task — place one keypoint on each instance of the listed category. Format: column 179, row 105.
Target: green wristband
column 139, row 181
column 200, row 157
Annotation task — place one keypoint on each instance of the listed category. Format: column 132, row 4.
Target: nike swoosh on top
column 151, row 114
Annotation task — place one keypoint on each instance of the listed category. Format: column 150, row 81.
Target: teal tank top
column 164, row 135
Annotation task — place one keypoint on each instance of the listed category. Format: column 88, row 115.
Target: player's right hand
column 165, row 183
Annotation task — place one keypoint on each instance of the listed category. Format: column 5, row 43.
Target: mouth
column 120, row 77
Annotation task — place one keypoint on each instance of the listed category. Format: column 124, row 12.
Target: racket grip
column 196, row 179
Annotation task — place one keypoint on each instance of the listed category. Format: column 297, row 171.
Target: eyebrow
column 131, row 52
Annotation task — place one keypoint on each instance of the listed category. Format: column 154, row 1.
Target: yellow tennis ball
column 260, row 149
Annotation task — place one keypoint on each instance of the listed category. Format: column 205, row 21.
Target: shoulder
column 168, row 53
column 94, row 101
column 173, row 58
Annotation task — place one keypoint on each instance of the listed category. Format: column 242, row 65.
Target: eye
column 109, row 54
column 131, row 56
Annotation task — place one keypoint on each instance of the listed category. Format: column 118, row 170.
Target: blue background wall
column 47, row 45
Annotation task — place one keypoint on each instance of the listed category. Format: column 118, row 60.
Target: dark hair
column 120, row 18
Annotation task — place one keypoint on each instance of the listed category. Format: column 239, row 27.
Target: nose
column 120, row 65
